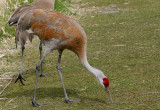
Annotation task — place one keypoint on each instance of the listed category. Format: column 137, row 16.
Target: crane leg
column 37, row 71
column 67, row 100
column 40, row 50
column 20, row 74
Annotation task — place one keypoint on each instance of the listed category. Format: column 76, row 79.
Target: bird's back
column 53, row 25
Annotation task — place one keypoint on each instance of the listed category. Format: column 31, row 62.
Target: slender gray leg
column 36, row 80
column 59, row 71
column 20, row 74
column 40, row 50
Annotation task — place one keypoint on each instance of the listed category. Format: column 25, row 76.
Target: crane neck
column 85, row 63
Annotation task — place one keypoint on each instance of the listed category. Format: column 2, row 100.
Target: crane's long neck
column 85, row 63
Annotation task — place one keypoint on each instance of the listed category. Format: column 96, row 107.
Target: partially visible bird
column 58, row 32
column 13, row 20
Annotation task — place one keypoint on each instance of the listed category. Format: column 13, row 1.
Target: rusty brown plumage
column 49, row 24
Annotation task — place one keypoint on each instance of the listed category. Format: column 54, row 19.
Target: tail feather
column 30, row 37
column 17, row 14
column 17, row 36
column 22, row 37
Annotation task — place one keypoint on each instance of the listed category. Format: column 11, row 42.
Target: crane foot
column 20, row 77
column 70, row 101
column 43, row 75
column 35, row 104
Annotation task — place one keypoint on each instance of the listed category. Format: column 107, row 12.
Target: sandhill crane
column 58, row 32
column 13, row 20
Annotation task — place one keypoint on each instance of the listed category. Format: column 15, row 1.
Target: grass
column 124, row 45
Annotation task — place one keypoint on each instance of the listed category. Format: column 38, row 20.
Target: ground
column 123, row 42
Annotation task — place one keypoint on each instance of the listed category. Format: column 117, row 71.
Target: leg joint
column 23, row 48
column 58, row 67
column 37, row 67
column 40, row 48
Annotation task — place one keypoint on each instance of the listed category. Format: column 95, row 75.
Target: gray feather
column 18, row 13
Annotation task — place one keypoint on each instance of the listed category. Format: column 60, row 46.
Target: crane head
column 104, row 82
column 106, row 87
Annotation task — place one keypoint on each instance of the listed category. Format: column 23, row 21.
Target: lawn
column 123, row 42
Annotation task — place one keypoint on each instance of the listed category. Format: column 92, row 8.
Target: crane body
column 58, row 32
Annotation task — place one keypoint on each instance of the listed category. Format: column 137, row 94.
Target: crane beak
column 109, row 95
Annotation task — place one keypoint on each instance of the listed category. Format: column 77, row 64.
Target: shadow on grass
column 45, row 92
column 42, row 93
column 51, row 92
column 32, row 71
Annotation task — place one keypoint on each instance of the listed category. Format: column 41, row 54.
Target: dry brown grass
column 2, row 5
column 7, row 45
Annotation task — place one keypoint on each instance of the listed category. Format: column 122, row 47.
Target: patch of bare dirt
column 80, row 11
